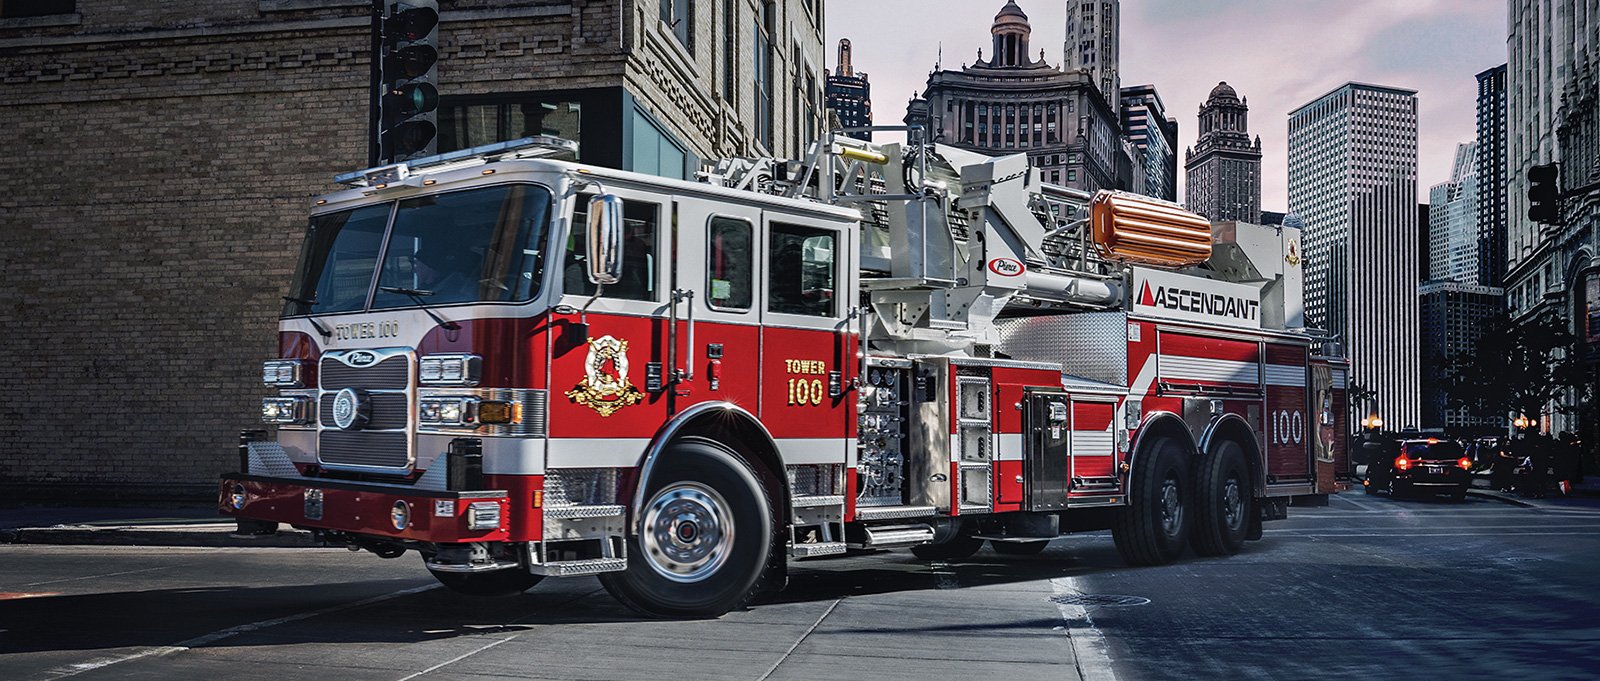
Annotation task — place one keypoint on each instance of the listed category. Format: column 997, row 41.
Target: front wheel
column 1222, row 490
column 703, row 545
column 1154, row 527
column 487, row 584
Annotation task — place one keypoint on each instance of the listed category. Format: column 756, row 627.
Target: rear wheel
column 1224, row 502
column 1154, row 527
column 497, row 583
column 959, row 548
column 705, row 538
column 1020, row 548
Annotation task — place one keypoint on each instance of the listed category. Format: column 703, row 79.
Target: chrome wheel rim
column 1171, row 507
column 1232, row 504
column 688, row 532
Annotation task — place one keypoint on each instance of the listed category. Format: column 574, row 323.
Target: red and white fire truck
column 520, row 366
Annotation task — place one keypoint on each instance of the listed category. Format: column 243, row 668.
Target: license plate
column 1436, row 469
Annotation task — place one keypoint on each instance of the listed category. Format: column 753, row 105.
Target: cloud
column 1279, row 54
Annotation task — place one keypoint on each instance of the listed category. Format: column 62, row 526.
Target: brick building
column 160, row 158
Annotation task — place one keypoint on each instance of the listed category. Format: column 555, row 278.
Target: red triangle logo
column 1147, row 299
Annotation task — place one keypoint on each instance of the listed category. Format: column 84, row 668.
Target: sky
column 1278, row 54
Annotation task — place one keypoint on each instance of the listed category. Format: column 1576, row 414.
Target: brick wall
column 159, row 161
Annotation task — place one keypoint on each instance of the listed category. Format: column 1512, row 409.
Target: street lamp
column 1522, row 422
column 1372, row 423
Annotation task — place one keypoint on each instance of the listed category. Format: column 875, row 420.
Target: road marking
column 1465, row 527
column 459, row 658
column 1089, row 648
column 1359, row 504
column 109, row 574
column 18, row 595
column 1440, row 534
column 798, row 641
column 206, row 639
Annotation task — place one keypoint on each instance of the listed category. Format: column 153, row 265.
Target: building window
column 20, row 9
column 730, row 51
column 467, row 125
column 655, row 152
column 763, row 58
column 679, row 16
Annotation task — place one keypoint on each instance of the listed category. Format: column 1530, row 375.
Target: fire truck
column 520, row 366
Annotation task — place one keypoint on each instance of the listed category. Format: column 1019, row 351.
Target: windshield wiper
column 416, row 296
column 310, row 303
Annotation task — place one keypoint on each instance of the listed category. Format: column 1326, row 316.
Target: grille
column 360, row 448
column 393, row 373
column 390, row 411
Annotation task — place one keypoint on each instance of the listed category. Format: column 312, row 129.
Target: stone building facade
column 161, row 159
column 1012, row 103
column 1224, row 166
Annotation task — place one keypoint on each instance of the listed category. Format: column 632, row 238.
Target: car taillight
column 1402, row 463
column 1465, row 463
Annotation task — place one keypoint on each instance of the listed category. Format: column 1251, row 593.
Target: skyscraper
column 1155, row 134
column 1353, row 177
column 1453, row 221
column 1224, row 166
column 1014, row 102
column 850, row 94
column 1452, row 324
column 1093, row 45
column 1492, row 177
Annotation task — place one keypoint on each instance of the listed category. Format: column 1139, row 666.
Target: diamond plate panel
column 1093, row 345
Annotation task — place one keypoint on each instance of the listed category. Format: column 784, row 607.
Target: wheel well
column 1234, row 429
column 1158, row 427
column 750, row 442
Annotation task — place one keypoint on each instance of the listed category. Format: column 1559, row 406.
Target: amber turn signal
column 494, row 412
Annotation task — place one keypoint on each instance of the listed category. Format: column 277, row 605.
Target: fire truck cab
column 521, row 366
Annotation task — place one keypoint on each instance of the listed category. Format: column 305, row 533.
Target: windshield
column 1438, row 451
column 478, row 245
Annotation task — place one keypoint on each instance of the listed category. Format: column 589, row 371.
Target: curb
column 1501, row 498
column 215, row 536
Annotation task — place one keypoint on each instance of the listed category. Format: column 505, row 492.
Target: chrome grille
column 393, row 373
column 385, row 441
column 365, row 448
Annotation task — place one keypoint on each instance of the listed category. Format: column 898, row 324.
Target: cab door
column 715, row 300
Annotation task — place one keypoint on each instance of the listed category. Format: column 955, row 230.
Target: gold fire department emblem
column 606, row 388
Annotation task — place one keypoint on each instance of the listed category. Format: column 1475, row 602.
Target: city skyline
column 1432, row 46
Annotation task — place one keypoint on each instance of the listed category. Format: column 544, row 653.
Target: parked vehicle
column 1431, row 467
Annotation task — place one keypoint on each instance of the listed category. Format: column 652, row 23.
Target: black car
column 1429, row 467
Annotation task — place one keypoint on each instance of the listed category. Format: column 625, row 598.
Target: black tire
column 711, row 528
column 1148, row 531
column 1458, row 496
column 1016, row 548
column 960, row 548
column 1223, row 502
column 488, row 584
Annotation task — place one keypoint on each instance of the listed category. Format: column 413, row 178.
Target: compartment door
column 1048, row 460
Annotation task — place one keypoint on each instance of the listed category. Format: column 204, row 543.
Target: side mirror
column 605, row 239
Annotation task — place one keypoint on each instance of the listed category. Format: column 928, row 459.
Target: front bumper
column 440, row 517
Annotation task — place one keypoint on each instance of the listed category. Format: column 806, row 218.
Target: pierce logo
column 1200, row 302
column 361, row 359
column 1006, row 267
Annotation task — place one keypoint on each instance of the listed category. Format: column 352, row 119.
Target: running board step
column 817, row 549
column 897, row 535
column 572, row 568
column 892, row 512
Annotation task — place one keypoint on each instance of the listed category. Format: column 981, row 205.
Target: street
column 1367, row 587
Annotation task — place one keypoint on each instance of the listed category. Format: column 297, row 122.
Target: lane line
column 109, row 574
column 458, row 658
column 205, row 639
column 1360, row 504
column 1466, row 527
column 1089, row 650
column 1443, row 534
column 797, row 642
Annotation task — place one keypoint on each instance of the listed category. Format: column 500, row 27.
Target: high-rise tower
column 1224, row 166
column 850, row 93
column 1492, row 176
column 1353, row 177
column 1093, row 45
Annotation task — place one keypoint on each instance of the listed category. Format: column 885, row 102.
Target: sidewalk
column 138, row 526
column 1585, row 494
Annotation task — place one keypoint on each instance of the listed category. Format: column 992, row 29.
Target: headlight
column 448, row 411
column 293, row 410
column 400, row 515
column 460, row 370
column 283, row 373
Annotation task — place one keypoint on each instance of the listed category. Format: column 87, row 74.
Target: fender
column 1154, row 423
column 1232, row 422
column 723, row 411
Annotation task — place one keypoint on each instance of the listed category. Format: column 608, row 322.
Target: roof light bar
column 542, row 146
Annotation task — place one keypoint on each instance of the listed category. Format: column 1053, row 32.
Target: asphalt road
column 1367, row 587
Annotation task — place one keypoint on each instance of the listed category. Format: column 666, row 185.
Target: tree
column 1519, row 368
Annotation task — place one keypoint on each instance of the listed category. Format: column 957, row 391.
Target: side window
column 641, row 261
column 729, row 258
column 801, row 271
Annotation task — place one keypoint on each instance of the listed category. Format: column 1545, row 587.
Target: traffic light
column 1544, row 194
column 408, row 100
